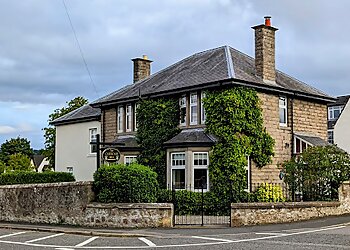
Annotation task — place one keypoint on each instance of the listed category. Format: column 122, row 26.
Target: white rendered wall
column 342, row 129
column 73, row 149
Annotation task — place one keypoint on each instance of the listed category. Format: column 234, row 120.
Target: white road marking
column 169, row 246
column 209, row 238
column 282, row 234
column 44, row 238
column 87, row 241
column 8, row 235
column 148, row 242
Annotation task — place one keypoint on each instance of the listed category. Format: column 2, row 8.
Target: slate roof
column 311, row 139
column 341, row 101
column 37, row 159
column 203, row 69
column 191, row 137
column 82, row 114
column 129, row 142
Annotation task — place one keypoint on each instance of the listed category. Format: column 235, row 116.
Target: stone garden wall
column 71, row 203
column 246, row 214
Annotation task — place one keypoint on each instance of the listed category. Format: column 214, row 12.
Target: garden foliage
column 317, row 173
column 157, row 121
column 234, row 116
column 27, row 177
column 132, row 183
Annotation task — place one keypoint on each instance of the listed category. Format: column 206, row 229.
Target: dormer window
column 183, row 110
column 193, row 109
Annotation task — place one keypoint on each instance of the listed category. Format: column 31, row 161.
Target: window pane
column 178, row 178
column 200, row 178
column 283, row 116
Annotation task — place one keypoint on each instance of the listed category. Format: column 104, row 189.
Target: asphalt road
column 329, row 233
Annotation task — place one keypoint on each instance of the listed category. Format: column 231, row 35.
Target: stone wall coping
column 130, row 205
column 273, row 205
column 48, row 185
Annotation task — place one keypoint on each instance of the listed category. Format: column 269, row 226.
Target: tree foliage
column 19, row 162
column 157, row 121
column 15, row 146
column 234, row 116
column 50, row 131
column 317, row 173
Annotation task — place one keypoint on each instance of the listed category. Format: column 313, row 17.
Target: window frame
column 331, row 110
column 300, row 145
column 332, row 138
column 128, row 118
column 183, row 104
column 177, row 167
column 206, row 167
column 203, row 114
column 194, row 115
column 130, row 157
column 135, row 116
column 285, row 108
column 70, row 169
column 91, row 140
column 120, row 119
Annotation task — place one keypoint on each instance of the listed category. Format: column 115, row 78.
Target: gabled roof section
column 82, row 114
column 222, row 64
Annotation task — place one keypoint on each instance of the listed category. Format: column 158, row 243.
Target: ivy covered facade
column 215, row 117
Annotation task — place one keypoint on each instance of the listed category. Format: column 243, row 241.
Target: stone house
column 338, row 122
column 295, row 114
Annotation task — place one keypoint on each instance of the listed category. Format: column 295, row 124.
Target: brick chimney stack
column 265, row 50
column 142, row 68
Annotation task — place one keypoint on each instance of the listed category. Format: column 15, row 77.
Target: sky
column 41, row 67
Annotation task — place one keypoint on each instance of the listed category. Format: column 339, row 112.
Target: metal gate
column 201, row 208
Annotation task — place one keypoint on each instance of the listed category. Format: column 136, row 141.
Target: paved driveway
column 321, row 234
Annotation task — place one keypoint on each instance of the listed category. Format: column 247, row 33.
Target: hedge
column 28, row 177
column 133, row 183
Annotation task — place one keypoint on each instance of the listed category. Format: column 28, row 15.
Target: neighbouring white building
column 74, row 132
column 339, row 122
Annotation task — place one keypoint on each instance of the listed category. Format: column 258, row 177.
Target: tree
column 2, row 167
column 15, row 146
column 50, row 131
column 317, row 173
column 19, row 162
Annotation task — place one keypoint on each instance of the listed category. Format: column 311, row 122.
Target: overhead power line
column 81, row 51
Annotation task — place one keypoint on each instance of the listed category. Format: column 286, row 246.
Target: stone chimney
column 142, row 68
column 265, row 51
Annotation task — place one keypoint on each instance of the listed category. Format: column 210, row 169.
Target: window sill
column 91, row 155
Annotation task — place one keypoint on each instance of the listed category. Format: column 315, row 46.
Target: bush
column 269, row 193
column 27, row 177
column 19, row 162
column 317, row 173
column 125, row 183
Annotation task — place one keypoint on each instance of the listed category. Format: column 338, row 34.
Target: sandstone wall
column 246, row 214
column 71, row 204
column 109, row 124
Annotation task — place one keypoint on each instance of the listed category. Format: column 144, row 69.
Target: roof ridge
column 179, row 62
column 230, row 69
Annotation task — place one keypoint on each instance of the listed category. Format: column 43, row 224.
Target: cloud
column 7, row 130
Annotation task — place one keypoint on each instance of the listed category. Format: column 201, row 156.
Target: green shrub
column 125, row 183
column 27, row 177
column 19, row 162
column 269, row 193
column 2, row 167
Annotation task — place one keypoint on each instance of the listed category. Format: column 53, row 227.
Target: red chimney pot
column 267, row 21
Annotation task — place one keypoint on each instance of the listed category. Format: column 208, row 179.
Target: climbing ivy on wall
column 234, row 116
column 157, row 121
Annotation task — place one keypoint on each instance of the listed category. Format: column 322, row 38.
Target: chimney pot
column 267, row 21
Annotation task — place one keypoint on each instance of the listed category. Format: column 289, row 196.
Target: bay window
column 200, row 170
column 178, row 170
